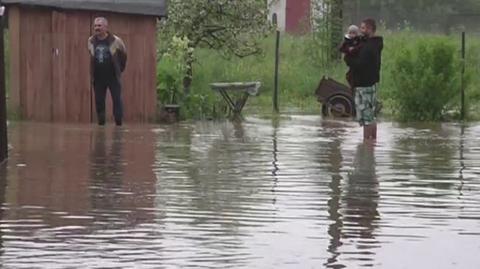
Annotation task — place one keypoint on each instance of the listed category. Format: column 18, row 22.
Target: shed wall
column 71, row 75
column 14, row 36
column 51, row 66
column 36, row 64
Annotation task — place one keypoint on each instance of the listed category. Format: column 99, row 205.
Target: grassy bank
column 299, row 72
column 301, row 69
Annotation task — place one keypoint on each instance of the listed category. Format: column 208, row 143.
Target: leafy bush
column 420, row 76
column 171, row 70
column 426, row 74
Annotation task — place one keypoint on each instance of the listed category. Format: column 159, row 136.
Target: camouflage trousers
column 366, row 104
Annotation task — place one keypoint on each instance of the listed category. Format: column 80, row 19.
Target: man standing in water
column 108, row 61
column 365, row 77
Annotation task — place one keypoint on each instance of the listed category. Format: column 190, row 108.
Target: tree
column 328, row 27
column 425, row 14
column 231, row 27
column 336, row 25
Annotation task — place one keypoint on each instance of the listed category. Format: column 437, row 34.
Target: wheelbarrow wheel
column 338, row 106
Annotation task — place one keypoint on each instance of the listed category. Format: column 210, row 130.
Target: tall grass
column 301, row 70
column 299, row 74
column 425, row 76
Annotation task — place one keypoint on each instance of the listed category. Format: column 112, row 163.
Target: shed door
column 35, row 65
column 71, row 66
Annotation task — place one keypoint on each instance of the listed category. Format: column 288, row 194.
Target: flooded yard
column 295, row 193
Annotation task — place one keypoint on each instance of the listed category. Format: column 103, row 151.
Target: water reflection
column 210, row 173
column 74, row 188
column 462, row 159
column 288, row 193
column 275, row 152
column 334, row 155
column 361, row 198
column 3, row 186
column 49, row 175
column 106, row 174
column 353, row 204
column 428, row 151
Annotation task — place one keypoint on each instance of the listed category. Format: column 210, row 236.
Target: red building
column 293, row 16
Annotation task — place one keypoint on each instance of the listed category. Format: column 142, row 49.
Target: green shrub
column 420, row 76
column 426, row 77
column 171, row 70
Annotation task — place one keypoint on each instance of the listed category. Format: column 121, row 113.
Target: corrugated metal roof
column 143, row 7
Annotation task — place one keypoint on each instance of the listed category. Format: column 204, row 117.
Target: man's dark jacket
column 117, row 49
column 365, row 66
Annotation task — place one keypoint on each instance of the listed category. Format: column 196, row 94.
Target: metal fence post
column 462, row 79
column 277, row 63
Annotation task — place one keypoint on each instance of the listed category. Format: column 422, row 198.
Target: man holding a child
column 363, row 50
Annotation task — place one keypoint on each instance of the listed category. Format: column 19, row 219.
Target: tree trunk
column 336, row 24
column 187, row 82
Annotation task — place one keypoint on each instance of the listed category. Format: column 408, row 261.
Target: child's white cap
column 352, row 28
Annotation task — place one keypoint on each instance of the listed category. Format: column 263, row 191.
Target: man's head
column 100, row 26
column 368, row 27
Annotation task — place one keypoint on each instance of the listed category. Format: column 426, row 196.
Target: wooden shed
column 50, row 70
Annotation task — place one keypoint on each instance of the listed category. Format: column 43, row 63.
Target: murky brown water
column 298, row 193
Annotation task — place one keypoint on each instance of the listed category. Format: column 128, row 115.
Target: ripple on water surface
column 294, row 193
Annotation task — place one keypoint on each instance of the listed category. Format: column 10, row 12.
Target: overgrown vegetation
column 209, row 41
column 231, row 28
column 420, row 76
column 427, row 15
column 427, row 79
column 327, row 30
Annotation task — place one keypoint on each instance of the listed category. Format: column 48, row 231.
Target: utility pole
column 462, row 96
column 3, row 99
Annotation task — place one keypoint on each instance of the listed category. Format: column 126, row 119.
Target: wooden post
column 277, row 62
column 3, row 100
column 462, row 80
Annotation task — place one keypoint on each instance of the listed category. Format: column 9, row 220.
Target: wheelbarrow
column 336, row 98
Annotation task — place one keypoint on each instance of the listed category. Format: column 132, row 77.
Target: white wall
column 279, row 7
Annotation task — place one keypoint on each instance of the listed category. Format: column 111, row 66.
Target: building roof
column 141, row 7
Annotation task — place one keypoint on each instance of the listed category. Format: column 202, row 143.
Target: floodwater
column 295, row 193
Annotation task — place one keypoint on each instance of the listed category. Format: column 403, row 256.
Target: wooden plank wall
column 51, row 65
column 59, row 109
column 36, row 64
column 79, row 89
column 15, row 80
column 71, row 75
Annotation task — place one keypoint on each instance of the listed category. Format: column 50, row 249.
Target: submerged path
column 298, row 193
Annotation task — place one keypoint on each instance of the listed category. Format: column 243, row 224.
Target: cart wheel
column 338, row 106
